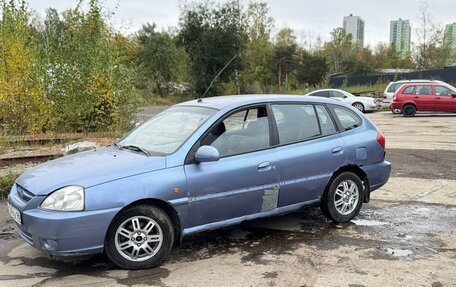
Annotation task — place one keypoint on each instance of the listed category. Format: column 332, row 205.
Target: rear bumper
column 377, row 174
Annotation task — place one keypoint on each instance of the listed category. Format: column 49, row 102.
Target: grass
column 6, row 182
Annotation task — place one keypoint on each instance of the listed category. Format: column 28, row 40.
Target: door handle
column 438, row 98
column 337, row 150
column 416, row 97
column 264, row 166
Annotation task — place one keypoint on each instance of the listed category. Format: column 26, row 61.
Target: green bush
column 6, row 182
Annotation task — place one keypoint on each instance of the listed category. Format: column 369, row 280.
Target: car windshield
column 167, row 131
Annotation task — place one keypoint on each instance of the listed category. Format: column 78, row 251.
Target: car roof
column 222, row 102
column 415, row 81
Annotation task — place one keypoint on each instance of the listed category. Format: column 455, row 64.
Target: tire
column 359, row 106
column 143, row 231
column 409, row 111
column 336, row 197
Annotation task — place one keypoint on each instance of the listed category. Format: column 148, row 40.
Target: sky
column 309, row 18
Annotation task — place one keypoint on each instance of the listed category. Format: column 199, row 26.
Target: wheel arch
column 166, row 207
column 356, row 170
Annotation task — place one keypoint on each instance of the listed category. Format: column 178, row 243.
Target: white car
column 364, row 104
column 394, row 86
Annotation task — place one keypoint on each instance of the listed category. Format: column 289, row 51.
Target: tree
column 158, row 59
column 212, row 36
column 284, row 56
column 259, row 51
column 311, row 69
column 339, row 49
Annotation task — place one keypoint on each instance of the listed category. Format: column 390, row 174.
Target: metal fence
column 447, row 75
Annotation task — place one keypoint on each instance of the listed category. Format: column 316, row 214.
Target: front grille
column 24, row 194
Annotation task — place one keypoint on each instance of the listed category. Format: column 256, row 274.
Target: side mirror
column 207, row 153
column 345, row 96
column 453, row 95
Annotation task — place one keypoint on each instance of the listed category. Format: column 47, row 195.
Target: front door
column 245, row 180
column 444, row 99
column 424, row 98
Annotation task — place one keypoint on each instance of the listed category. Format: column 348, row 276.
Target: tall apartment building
column 400, row 33
column 450, row 34
column 355, row 25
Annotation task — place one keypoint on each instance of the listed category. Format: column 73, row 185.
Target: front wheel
column 344, row 198
column 139, row 237
column 359, row 106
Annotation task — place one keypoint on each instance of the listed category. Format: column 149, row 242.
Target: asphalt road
column 406, row 235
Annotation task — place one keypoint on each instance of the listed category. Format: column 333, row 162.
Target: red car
column 429, row 97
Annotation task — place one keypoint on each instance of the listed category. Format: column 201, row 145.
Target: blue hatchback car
column 200, row 165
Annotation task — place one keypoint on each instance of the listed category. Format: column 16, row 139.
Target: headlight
column 70, row 198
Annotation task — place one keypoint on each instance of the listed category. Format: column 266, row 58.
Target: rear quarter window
column 408, row 90
column 348, row 119
column 392, row 88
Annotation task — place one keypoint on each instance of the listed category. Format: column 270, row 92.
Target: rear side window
column 296, row 122
column 408, row 90
column 348, row 119
column 326, row 123
column 323, row 94
column 423, row 90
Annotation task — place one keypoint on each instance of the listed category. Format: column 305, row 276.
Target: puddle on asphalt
column 387, row 233
column 364, row 222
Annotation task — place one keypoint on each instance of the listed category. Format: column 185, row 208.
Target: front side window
column 167, row 131
column 323, row 94
column 443, row 91
column 348, row 119
column 423, row 90
column 297, row 122
column 242, row 132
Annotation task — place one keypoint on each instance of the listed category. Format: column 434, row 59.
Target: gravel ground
column 406, row 235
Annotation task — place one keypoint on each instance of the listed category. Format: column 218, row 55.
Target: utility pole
column 238, row 80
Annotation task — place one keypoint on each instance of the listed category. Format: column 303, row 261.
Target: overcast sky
column 307, row 17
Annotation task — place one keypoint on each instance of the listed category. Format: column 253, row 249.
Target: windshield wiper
column 133, row 147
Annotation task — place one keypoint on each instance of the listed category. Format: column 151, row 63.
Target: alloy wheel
column 346, row 197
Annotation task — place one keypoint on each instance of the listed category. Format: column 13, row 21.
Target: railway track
column 7, row 161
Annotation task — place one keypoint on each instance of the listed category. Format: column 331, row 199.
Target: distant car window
column 242, row 132
column 392, row 88
column 326, row 123
column 299, row 122
column 423, row 90
column 443, row 91
column 323, row 94
column 336, row 94
column 348, row 119
column 408, row 90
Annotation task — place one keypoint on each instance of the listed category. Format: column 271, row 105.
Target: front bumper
column 377, row 174
column 61, row 233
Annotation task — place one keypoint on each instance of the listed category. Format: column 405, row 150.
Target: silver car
column 364, row 104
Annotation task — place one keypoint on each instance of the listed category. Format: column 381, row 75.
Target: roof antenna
column 216, row 76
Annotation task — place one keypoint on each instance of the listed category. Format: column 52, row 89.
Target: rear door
column 309, row 151
column 444, row 100
column 424, row 98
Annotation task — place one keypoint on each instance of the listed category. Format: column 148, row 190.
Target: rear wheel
column 409, row 110
column 344, row 198
column 359, row 106
column 139, row 237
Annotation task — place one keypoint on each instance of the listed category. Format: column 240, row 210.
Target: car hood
column 88, row 169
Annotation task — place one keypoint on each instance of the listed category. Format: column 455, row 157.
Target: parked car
column 393, row 86
column 430, row 97
column 201, row 165
column 364, row 104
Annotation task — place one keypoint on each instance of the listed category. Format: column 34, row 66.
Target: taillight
column 381, row 140
column 385, row 96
